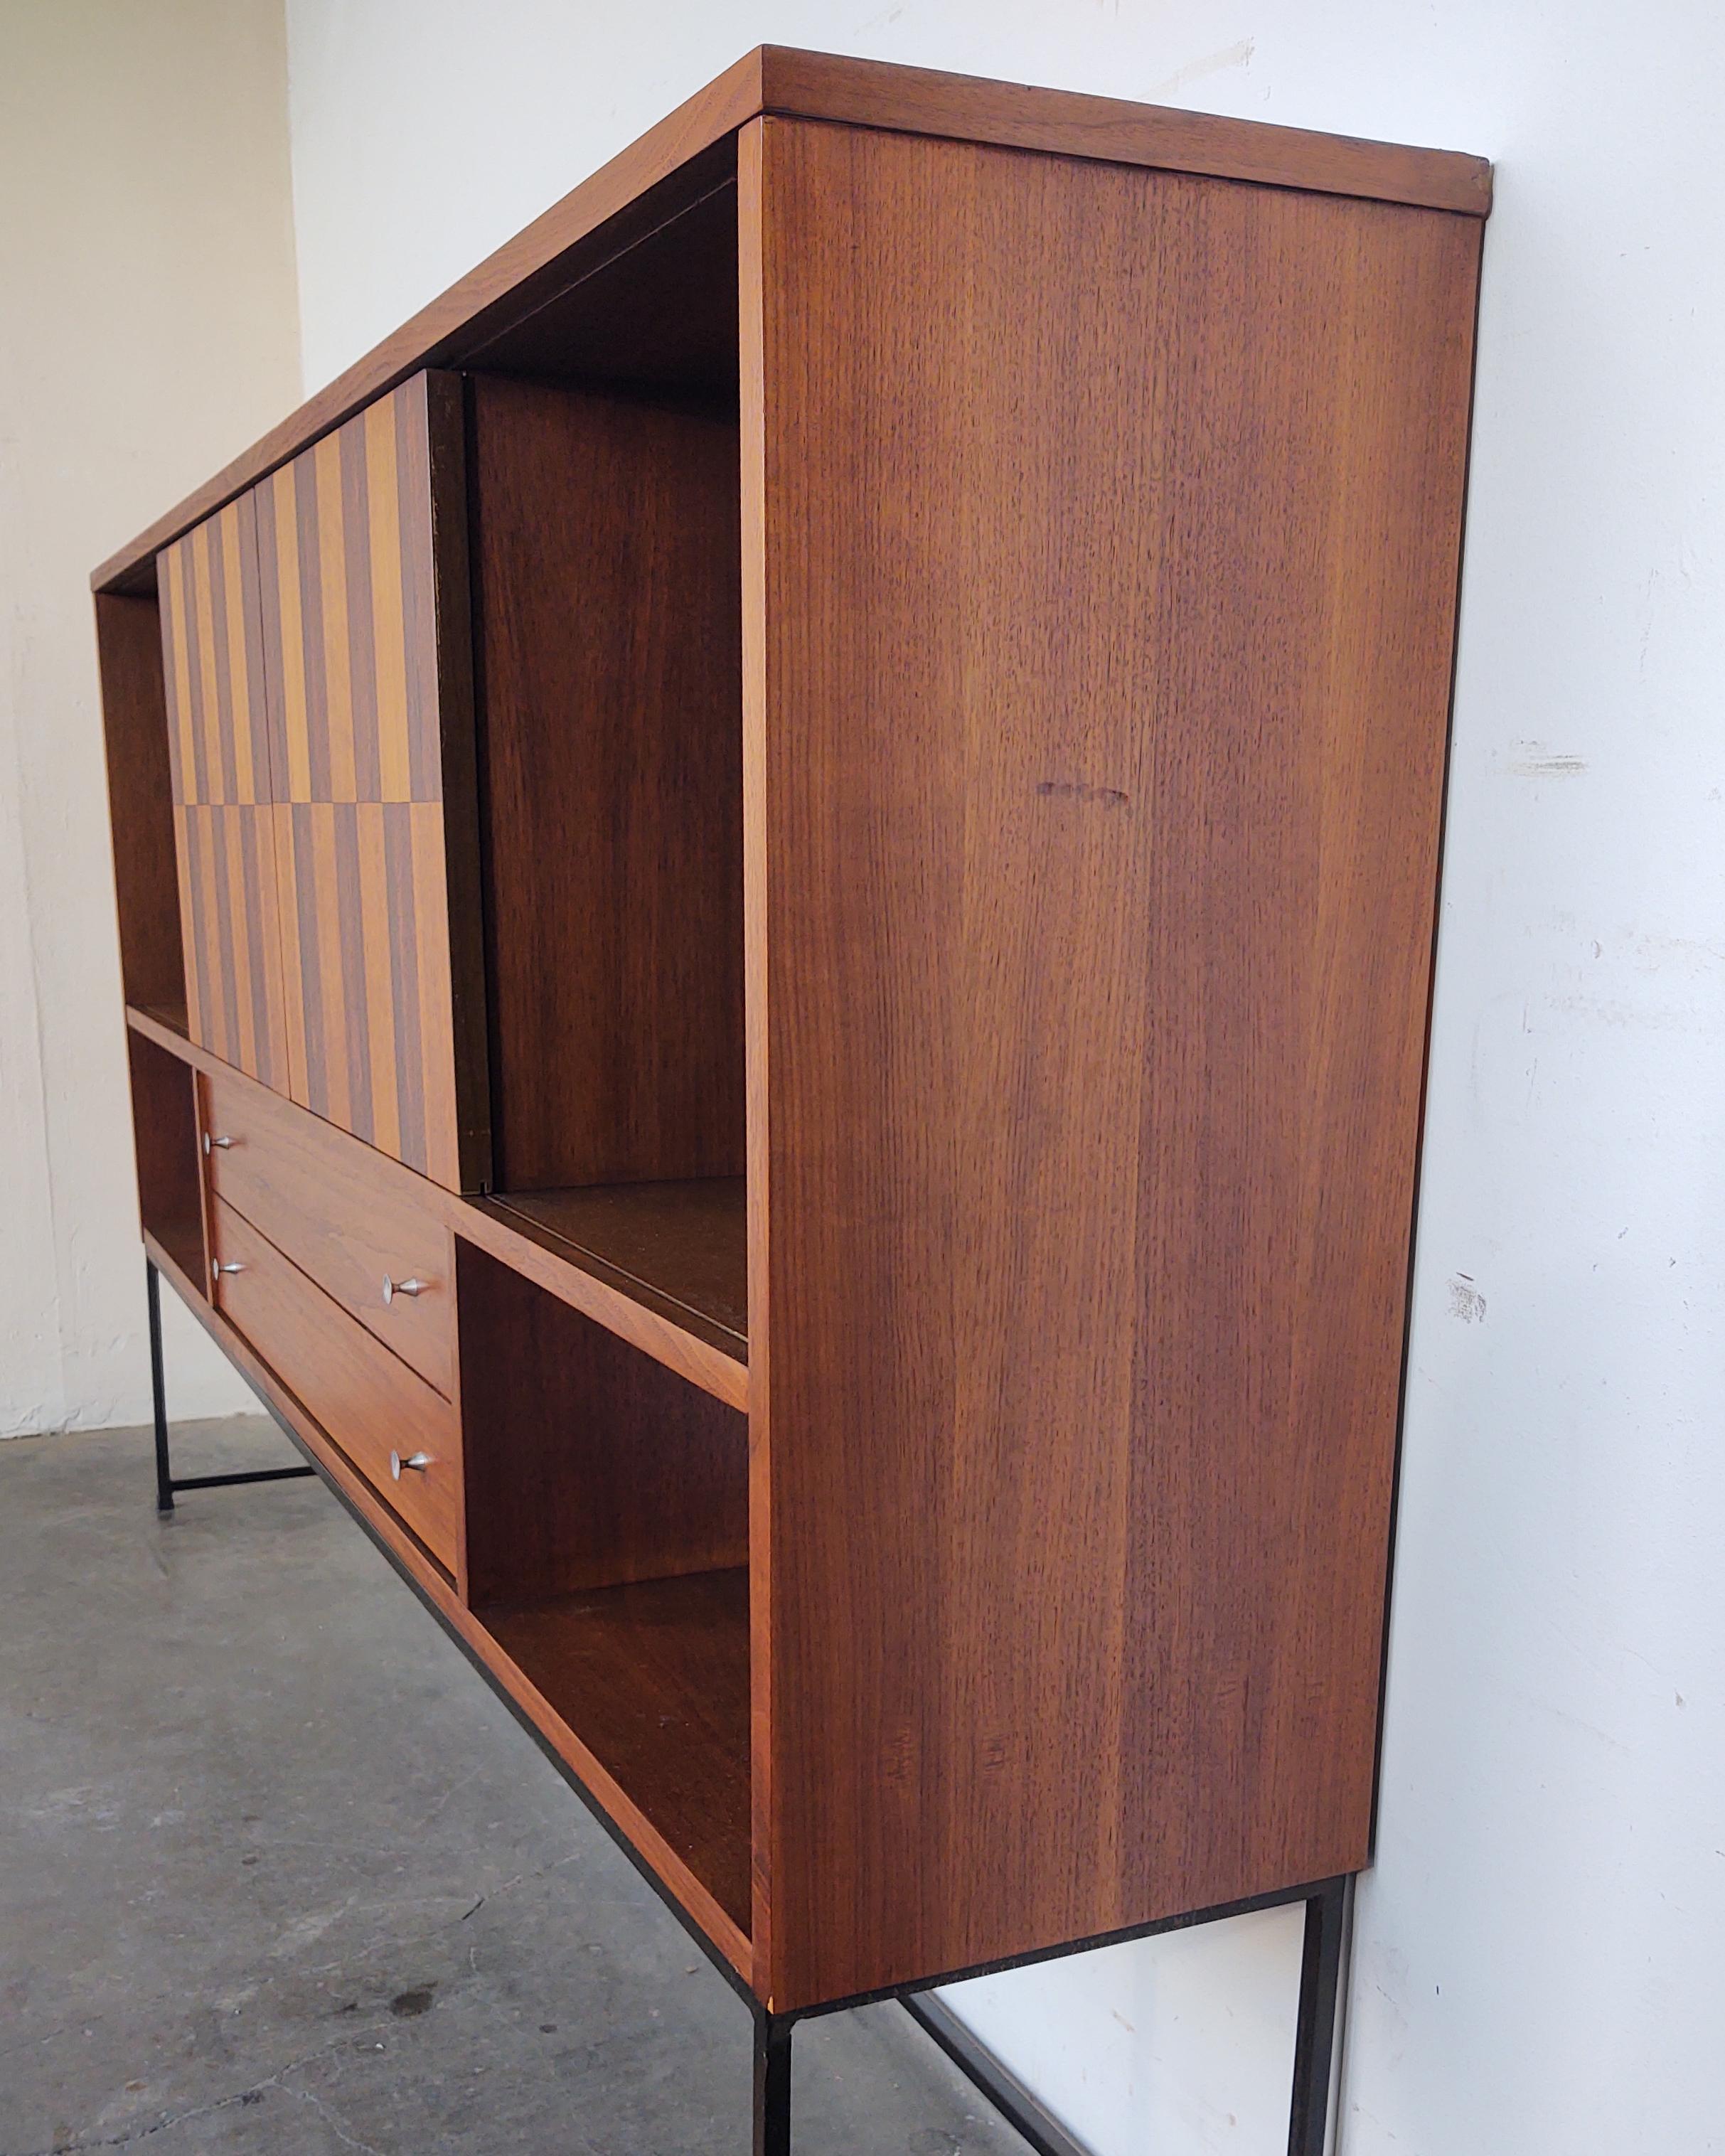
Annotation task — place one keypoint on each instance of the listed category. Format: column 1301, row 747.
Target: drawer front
column 370, row 1403
column 353, row 1220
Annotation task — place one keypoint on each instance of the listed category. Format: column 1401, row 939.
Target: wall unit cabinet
column 805, row 827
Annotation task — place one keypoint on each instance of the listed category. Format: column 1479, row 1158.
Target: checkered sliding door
column 348, row 571
column 225, row 827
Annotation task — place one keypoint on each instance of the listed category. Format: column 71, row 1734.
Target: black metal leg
column 165, row 1485
column 1315, row 2040
column 158, row 1389
column 773, row 2084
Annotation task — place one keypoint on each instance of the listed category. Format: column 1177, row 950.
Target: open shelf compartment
column 607, row 1555
column 604, row 501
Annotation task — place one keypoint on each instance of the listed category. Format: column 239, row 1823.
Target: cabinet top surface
column 686, row 151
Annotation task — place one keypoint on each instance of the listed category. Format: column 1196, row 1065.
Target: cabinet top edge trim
column 783, row 82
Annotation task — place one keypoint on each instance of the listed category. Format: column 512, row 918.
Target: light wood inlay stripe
column 330, row 986
column 218, row 756
column 355, row 565
column 286, row 628
column 250, row 776
column 329, row 567
column 443, row 1152
column 292, row 1079
column 375, row 926
column 389, row 636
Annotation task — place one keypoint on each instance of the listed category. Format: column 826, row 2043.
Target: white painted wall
column 1538, row 1950
column 148, row 330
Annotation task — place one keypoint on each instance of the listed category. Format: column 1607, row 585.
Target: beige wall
column 148, row 330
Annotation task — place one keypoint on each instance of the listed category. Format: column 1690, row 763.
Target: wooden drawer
column 356, row 1222
column 368, row 1401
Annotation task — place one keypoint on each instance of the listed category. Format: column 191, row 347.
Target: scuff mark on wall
column 1534, row 761
column 1466, row 1300
column 1239, row 54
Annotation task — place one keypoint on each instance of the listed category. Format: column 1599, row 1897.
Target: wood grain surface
column 141, row 801
column 654, row 1677
column 348, row 536
column 675, row 163
column 587, row 1464
column 345, row 1214
column 607, row 623
column 685, row 1243
column 365, row 1399
column 1098, row 629
column 222, row 785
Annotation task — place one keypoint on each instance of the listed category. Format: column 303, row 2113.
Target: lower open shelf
column 653, row 1677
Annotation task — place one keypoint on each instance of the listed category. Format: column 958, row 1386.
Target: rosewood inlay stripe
column 300, row 482
column 389, row 644
column 193, row 946
column 351, row 932
column 375, row 926
column 287, row 913
column 220, row 918
column 443, row 1136
column 305, row 991
column 413, row 449
column 330, row 985
column 213, row 639
column 404, row 980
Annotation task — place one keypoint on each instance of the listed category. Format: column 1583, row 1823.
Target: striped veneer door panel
column 362, row 543
column 222, row 759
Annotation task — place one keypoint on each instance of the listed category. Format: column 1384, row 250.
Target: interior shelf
column 687, row 1243
column 173, row 1015
column 654, row 1678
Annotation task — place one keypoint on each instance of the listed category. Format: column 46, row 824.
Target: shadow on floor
column 278, row 1874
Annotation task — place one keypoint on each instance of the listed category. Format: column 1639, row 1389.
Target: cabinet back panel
column 1104, row 532
column 588, row 1464
column 605, row 540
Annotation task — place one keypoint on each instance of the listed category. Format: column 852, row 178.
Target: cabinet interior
column 141, row 789
column 607, row 1509
column 164, row 1108
column 603, row 503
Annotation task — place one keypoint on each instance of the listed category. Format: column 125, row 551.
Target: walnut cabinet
column 776, row 881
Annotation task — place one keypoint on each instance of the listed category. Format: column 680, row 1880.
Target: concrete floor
column 278, row 1873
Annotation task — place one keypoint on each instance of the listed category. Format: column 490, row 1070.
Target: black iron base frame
column 167, row 1483
column 1326, row 1902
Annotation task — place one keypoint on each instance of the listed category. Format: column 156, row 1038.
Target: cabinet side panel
column 1111, row 523
column 140, row 802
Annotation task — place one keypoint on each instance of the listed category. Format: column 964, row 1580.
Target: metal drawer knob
column 218, row 1268
column 391, row 1288
column 212, row 1144
column 417, row 1460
